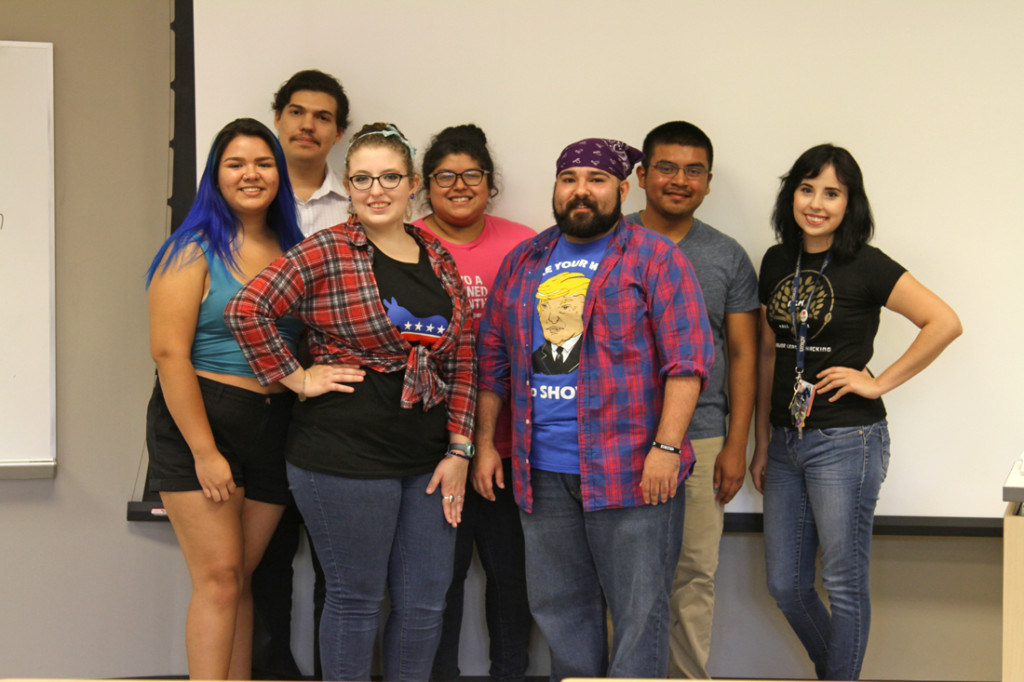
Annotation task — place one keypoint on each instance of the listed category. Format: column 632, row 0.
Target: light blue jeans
column 372, row 536
column 577, row 562
column 822, row 491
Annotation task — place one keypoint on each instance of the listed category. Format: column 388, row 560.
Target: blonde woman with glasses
column 380, row 440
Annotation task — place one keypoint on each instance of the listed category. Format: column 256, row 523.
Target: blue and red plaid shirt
column 327, row 282
column 643, row 320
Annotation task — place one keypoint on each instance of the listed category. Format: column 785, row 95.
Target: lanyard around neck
column 800, row 318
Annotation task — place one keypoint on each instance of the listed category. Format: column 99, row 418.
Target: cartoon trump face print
column 560, row 311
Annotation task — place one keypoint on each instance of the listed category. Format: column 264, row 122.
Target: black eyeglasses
column 472, row 178
column 669, row 169
column 387, row 181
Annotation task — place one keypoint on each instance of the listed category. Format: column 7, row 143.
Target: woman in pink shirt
column 459, row 178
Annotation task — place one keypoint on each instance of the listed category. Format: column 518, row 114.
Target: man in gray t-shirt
column 676, row 176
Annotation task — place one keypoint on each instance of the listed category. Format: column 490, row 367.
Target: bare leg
column 259, row 520
column 210, row 536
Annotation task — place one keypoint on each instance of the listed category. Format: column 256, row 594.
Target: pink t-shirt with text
column 478, row 263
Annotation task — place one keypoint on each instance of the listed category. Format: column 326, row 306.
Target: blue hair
column 211, row 220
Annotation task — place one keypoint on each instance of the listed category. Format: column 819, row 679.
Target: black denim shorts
column 249, row 429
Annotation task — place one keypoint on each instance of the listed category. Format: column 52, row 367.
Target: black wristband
column 667, row 448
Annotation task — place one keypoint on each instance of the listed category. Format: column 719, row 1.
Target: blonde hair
column 564, row 284
column 382, row 135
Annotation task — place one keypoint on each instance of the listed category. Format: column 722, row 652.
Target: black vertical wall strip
column 183, row 138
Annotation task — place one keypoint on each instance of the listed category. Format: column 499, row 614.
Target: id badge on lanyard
column 803, row 391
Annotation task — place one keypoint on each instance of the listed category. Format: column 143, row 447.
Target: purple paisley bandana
column 611, row 156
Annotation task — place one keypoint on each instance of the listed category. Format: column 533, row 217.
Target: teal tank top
column 214, row 349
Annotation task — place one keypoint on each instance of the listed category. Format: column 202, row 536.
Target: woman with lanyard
column 821, row 440
column 215, row 434
column 459, row 175
column 377, row 456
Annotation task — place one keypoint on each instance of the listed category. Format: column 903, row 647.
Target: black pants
column 272, row 656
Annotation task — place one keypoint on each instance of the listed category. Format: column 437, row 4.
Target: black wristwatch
column 463, row 450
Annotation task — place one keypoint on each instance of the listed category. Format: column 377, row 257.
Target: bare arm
column 487, row 463
column 174, row 298
column 451, row 472
column 450, row 475
column 741, row 344
column 661, row 468
column 938, row 325
column 762, row 425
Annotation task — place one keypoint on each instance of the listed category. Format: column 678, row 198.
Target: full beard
column 590, row 225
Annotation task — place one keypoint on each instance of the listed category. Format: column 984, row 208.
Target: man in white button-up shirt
column 311, row 114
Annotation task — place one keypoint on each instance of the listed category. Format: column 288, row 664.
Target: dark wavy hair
column 681, row 133
column 211, row 220
column 315, row 81
column 465, row 139
column 857, row 226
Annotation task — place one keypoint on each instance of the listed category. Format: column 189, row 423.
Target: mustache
column 581, row 201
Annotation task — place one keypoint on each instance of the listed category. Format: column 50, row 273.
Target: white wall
column 85, row 593
column 936, row 606
column 923, row 92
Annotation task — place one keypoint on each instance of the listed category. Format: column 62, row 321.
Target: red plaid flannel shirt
column 327, row 282
column 643, row 320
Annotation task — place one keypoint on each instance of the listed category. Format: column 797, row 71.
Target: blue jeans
column 822, row 490
column 372, row 536
column 577, row 562
column 495, row 528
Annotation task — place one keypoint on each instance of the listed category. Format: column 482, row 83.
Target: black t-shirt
column 843, row 321
column 367, row 433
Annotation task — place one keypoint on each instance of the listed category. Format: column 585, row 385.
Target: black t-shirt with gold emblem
column 842, row 323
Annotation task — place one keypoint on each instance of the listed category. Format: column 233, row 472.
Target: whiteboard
column 28, row 439
column 925, row 93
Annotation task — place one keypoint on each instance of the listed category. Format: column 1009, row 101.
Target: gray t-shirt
column 729, row 284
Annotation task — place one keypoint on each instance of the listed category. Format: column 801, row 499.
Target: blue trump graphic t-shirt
column 556, row 347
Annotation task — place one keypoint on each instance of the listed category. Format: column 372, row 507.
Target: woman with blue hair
column 215, row 435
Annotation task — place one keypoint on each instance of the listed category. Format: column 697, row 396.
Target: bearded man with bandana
column 599, row 432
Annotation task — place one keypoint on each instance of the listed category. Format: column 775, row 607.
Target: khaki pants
column 692, row 605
